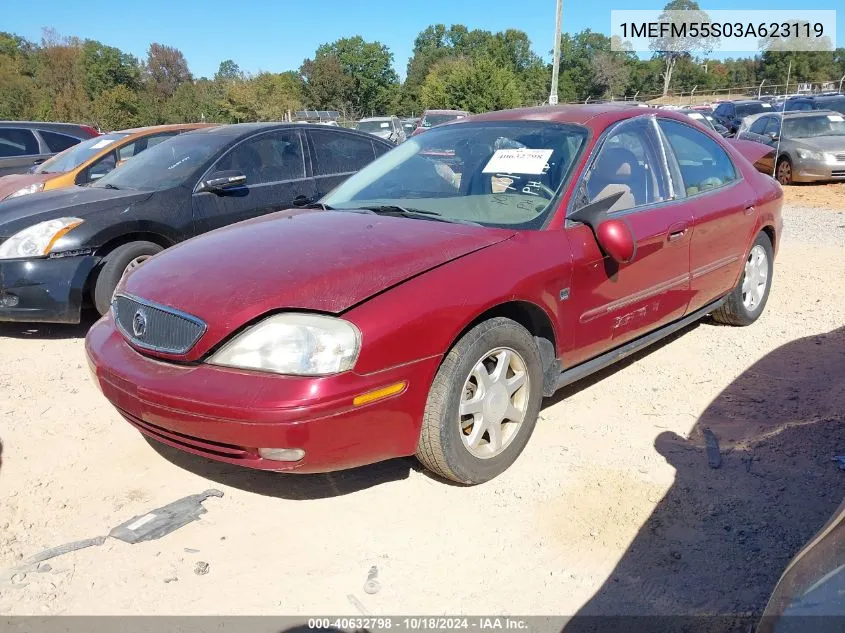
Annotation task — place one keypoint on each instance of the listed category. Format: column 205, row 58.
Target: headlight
column 37, row 240
column 298, row 344
column 809, row 154
column 33, row 188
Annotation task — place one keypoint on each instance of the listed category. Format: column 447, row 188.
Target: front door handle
column 677, row 231
column 749, row 209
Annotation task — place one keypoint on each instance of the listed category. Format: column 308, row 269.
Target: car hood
column 326, row 261
column 10, row 184
column 821, row 143
column 18, row 213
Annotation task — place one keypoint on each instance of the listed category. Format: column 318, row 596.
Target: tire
column 445, row 435
column 736, row 310
column 784, row 165
column 114, row 266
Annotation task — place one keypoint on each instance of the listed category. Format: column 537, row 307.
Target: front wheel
column 784, row 171
column 745, row 303
column 115, row 265
column 483, row 403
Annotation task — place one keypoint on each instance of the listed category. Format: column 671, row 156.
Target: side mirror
column 223, row 180
column 774, row 136
column 614, row 236
column 617, row 240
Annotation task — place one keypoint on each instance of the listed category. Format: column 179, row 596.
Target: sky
column 276, row 35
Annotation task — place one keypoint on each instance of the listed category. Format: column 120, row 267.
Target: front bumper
column 227, row 414
column 805, row 170
column 47, row 290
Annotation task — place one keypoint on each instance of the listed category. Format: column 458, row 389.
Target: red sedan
column 428, row 304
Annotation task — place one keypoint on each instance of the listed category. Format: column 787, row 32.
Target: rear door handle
column 749, row 209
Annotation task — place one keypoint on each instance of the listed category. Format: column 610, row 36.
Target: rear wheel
column 746, row 302
column 115, row 265
column 483, row 403
column 784, row 171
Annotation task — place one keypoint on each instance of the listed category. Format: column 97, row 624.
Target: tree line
column 68, row 79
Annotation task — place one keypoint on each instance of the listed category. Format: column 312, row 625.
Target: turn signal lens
column 380, row 394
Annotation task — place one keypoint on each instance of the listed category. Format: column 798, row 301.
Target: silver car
column 811, row 145
column 387, row 127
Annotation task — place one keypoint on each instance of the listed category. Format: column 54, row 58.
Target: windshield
column 701, row 118
column 810, row 126
column 431, row 120
column 166, row 165
column 505, row 174
column 747, row 109
column 74, row 156
column 373, row 126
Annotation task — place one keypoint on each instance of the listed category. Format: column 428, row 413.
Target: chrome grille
column 840, row 158
column 154, row 327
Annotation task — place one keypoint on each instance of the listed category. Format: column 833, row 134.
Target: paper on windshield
column 101, row 144
column 766, row 105
column 385, row 124
column 836, row 117
column 519, row 161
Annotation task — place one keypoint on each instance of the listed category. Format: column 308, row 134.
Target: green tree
column 118, row 108
column 105, row 67
column 166, row 69
column 228, row 71
column 671, row 50
column 325, row 85
column 265, row 97
column 475, row 85
column 369, row 65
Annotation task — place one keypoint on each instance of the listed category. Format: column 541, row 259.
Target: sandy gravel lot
column 611, row 509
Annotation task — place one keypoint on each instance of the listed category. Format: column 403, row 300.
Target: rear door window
column 703, row 164
column 339, row 153
column 58, row 142
column 18, row 142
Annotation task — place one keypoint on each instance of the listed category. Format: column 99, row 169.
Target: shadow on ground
column 720, row 538
column 47, row 331
column 287, row 485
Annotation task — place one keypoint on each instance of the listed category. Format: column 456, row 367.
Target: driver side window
column 627, row 163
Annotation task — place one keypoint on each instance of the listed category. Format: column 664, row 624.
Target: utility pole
column 556, row 62
column 788, row 73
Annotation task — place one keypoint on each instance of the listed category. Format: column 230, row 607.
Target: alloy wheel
column 494, row 401
column 756, row 278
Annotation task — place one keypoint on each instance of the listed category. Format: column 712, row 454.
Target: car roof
column 797, row 114
column 376, row 118
column 152, row 129
column 48, row 125
column 235, row 131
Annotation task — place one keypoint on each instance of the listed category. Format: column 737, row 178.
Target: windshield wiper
column 425, row 214
column 108, row 185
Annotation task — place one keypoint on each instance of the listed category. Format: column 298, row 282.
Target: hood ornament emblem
column 139, row 323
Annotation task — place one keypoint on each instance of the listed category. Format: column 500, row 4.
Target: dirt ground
column 611, row 509
column 823, row 196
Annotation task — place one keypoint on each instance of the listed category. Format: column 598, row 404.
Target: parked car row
column 88, row 160
column 25, row 144
column 810, row 145
column 423, row 306
column 392, row 129
column 66, row 248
